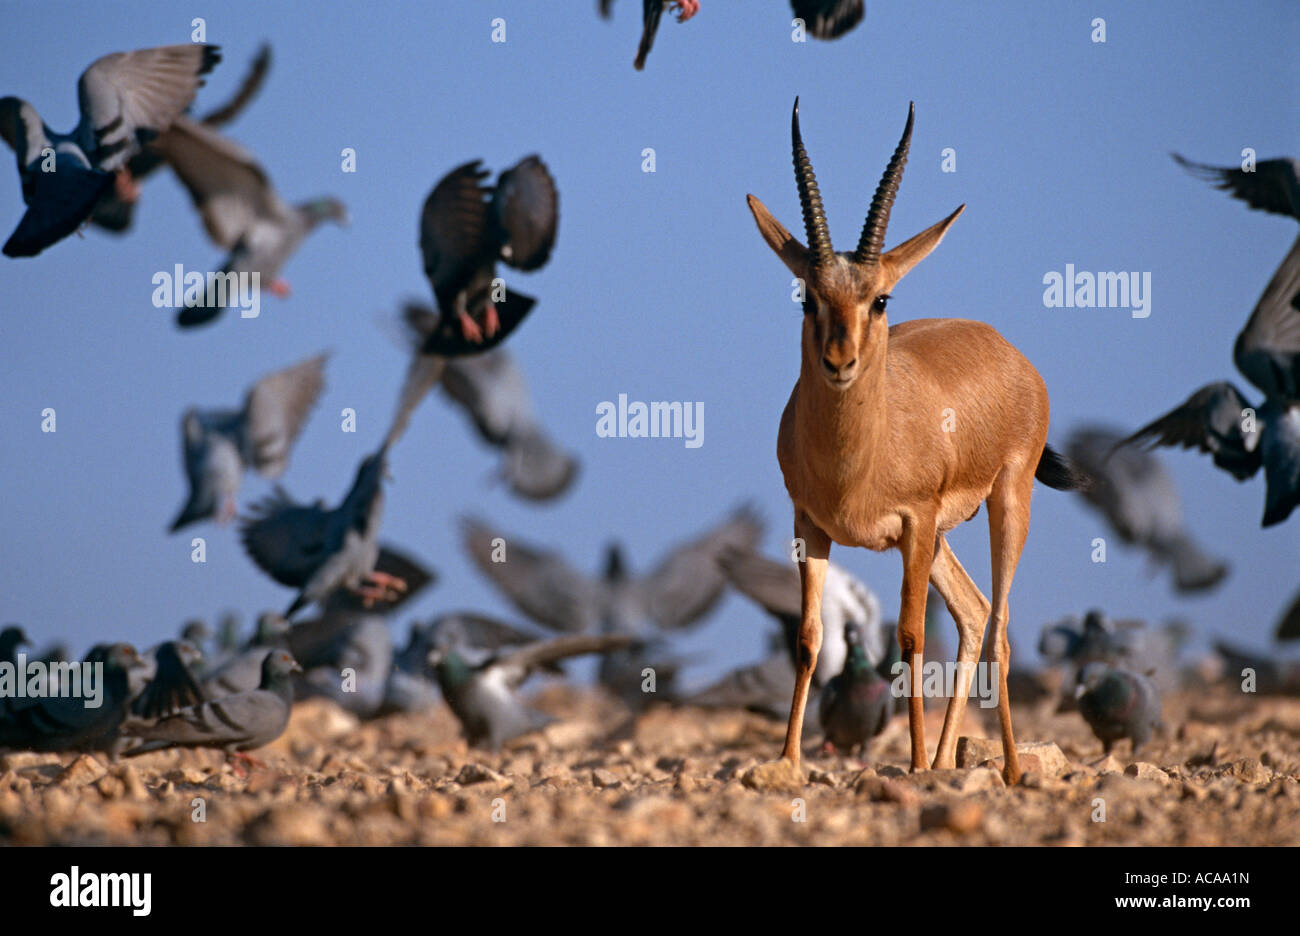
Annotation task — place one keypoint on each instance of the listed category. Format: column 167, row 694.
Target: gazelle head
column 845, row 330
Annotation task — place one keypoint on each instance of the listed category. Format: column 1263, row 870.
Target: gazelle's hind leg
column 970, row 609
column 1008, row 504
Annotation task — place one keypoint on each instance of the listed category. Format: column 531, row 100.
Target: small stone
column 1144, row 771
column 477, row 773
column 886, row 790
column 1108, row 764
column 781, row 775
column 1250, row 770
column 971, row 752
column 961, row 817
column 978, row 779
column 85, row 769
column 605, row 779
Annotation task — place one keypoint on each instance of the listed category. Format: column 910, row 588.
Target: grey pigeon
column 1267, row 351
column 465, row 228
column 1117, row 704
column 126, row 98
column 233, row 723
column 241, row 671
column 484, row 697
column 218, row 445
column 170, row 684
column 1271, row 675
column 775, row 587
column 63, row 722
column 1137, row 496
column 490, row 389
column 765, row 687
column 856, row 703
column 317, row 550
column 241, row 211
column 114, row 212
column 11, row 638
column 685, row 586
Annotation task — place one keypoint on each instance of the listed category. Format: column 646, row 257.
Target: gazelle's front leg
column 812, row 576
column 918, row 548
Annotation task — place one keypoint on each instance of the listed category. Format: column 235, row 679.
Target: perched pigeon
column 1118, row 704
column 126, row 98
column 170, row 683
column 483, row 696
column 235, row 723
column 11, row 638
column 317, row 550
column 682, row 590
column 465, row 228
column 219, row 444
column 857, row 703
column 490, row 388
column 1218, row 419
column 115, row 212
column 63, row 722
column 775, row 587
column 242, row 670
column 241, row 211
column 1132, row 490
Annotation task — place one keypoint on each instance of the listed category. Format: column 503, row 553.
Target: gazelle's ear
column 898, row 261
column 792, row 253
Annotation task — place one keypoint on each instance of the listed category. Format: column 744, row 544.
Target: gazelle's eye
column 879, row 304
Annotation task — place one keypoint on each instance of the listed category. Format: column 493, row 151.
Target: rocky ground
column 1227, row 772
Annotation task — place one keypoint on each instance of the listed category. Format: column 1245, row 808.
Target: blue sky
column 659, row 287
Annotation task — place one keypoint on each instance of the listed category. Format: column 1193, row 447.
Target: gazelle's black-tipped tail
column 1054, row 471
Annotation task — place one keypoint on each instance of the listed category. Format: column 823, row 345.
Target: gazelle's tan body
column 895, row 435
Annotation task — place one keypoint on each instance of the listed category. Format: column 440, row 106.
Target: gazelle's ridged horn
column 810, row 199
column 873, row 231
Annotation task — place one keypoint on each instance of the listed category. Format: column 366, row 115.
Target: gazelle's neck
column 842, row 428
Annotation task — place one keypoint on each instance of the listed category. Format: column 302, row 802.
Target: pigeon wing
column 1267, row 351
column 276, row 410
column 525, row 214
column 288, row 541
column 828, row 19
column 1210, row 421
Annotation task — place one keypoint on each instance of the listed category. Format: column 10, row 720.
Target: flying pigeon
column 465, row 228
column 483, row 696
column 241, row 211
column 685, row 586
column 63, row 722
column 828, row 19
column 219, row 444
column 764, row 688
column 1218, row 419
column 234, row 723
column 1135, row 494
column 170, row 684
column 491, row 390
column 651, row 12
column 317, row 550
column 1117, row 704
column 774, row 586
column 857, row 703
column 126, row 99
column 114, row 212
column 1268, row 673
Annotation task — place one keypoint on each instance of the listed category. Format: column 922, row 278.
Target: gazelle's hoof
column 781, row 775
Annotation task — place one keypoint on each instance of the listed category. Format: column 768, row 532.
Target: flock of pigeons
column 218, row 690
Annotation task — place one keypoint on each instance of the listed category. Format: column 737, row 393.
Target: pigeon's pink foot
column 391, row 582
column 125, row 186
column 491, row 321
column 279, row 288
column 827, row 749
column 228, row 510
column 240, row 758
column 686, row 9
column 470, row 328
column 369, row 594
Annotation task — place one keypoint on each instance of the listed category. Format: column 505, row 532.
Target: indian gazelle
column 892, row 436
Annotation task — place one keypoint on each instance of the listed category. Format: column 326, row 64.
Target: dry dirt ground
column 1227, row 772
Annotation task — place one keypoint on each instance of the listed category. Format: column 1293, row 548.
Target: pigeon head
column 271, row 629
column 325, row 209
column 1095, row 620
column 14, row 114
column 1093, row 677
column 196, row 632
column 615, row 564
column 118, row 657
column 449, row 667
column 277, row 668
column 188, row 653
column 11, row 638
